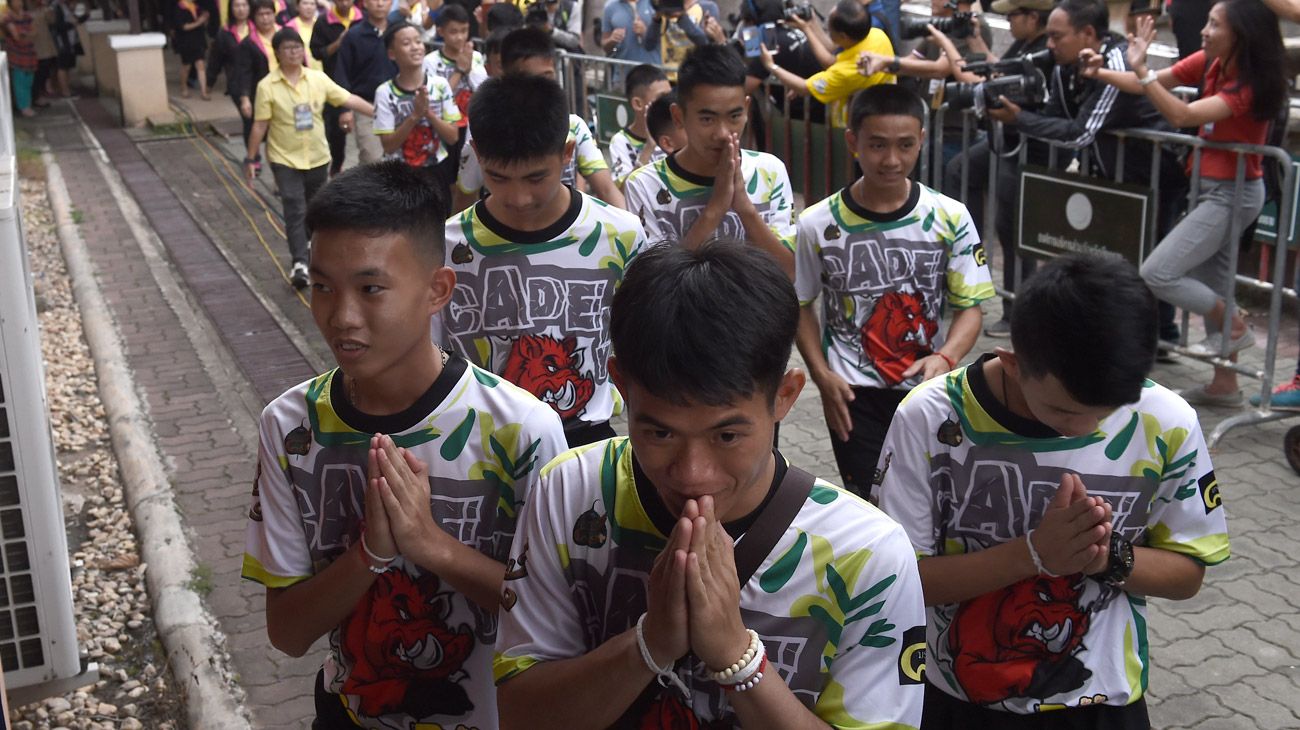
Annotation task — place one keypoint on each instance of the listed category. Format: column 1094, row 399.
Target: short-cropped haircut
column 524, row 43
column 517, row 118
column 388, row 196
column 711, row 65
column 659, row 117
column 503, row 15
column 451, row 13
column 285, row 35
column 641, row 78
column 885, row 100
column 850, row 18
column 393, row 29
column 1090, row 321
column 708, row 326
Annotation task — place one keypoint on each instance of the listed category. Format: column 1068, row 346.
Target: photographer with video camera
column 927, row 60
column 765, row 23
column 850, row 28
column 681, row 25
column 556, row 17
column 1028, row 21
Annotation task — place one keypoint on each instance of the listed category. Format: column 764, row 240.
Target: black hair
column 256, row 5
column 230, row 12
column 642, row 77
column 393, row 29
column 885, row 100
column 285, row 35
column 851, row 18
column 524, row 43
column 709, row 65
column 1259, row 55
column 757, row 12
column 1041, row 16
column 518, row 117
column 388, row 196
column 741, row 348
column 492, row 44
column 451, row 13
column 659, row 117
column 503, row 15
column 1084, row 13
column 1090, row 321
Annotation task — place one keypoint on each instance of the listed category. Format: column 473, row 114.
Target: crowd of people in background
column 452, row 506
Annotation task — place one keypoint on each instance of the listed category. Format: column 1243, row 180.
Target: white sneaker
column 298, row 277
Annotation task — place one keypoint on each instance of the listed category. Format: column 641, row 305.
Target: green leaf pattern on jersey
column 328, row 430
column 512, row 460
column 836, row 576
column 982, row 430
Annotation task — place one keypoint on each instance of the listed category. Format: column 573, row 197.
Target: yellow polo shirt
column 290, row 139
column 836, row 85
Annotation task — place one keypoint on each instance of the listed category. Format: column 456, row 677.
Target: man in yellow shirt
column 850, row 29
column 287, row 113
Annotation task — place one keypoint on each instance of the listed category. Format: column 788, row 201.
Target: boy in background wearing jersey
column 631, row 146
column 387, row 489
column 415, row 112
column 629, row 543
column 713, row 188
column 1049, row 491
column 888, row 257
column 663, row 130
column 536, row 261
column 531, row 51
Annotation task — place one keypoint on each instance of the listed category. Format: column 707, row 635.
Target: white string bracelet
column 751, row 682
column 385, row 564
column 755, row 648
column 664, row 675
column 1033, row 555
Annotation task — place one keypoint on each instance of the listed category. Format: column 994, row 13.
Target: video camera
column 957, row 25
column 1026, row 87
column 1041, row 60
column 668, row 7
column 801, row 9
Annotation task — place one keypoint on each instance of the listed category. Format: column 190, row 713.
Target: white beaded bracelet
column 664, row 675
column 1033, row 555
column 725, row 676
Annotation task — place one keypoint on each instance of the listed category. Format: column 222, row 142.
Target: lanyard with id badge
column 302, row 118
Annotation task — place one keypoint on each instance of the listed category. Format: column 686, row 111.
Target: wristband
column 746, row 665
column 751, row 682
column 1038, row 562
column 384, row 564
column 951, row 365
column 1149, row 79
column 250, row 161
column 664, row 675
column 894, row 66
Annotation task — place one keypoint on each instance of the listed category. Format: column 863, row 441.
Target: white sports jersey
column 533, row 306
column 886, row 281
column 624, row 149
column 422, row 147
column 437, row 64
column 668, row 199
column 413, row 650
column 963, row 473
column 837, row 601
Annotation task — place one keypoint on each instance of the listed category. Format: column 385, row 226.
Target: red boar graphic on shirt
column 551, row 369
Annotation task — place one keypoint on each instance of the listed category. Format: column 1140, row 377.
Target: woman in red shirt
column 1241, row 72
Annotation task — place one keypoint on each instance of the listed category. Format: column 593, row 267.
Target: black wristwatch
column 1120, row 565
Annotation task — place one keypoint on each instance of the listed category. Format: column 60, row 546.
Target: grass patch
column 29, row 163
column 78, row 216
column 201, row 580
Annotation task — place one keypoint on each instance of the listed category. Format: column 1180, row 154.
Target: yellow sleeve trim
column 254, row 571
column 506, row 667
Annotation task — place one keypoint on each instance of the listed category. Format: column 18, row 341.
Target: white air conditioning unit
column 38, row 637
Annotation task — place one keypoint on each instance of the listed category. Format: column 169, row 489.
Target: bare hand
column 797, row 23
column 1069, row 537
column 836, row 396
column 1006, row 113
column 717, row 632
column 465, row 61
column 724, row 176
column 619, row 34
column 740, row 201
column 666, row 621
column 713, row 29
column 1090, row 62
column 638, row 27
column 345, row 121
column 379, row 534
column 929, row 366
column 1139, row 42
column 404, row 484
column 870, row 64
column 421, row 103
column 765, row 57
column 250, row 172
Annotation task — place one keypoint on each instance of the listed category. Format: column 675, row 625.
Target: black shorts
column 945, row 712
column 871, row 410
column 330, row 714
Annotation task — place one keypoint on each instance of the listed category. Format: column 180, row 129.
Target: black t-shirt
column 794, row 54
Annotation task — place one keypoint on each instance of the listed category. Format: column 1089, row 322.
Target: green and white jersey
column 393, row 104
column 624, row 149
column 533, row 306
column 837, row 602
column 963, row 473
column 669, row 199
column 886, row 280
column 587, row 159
column 414, row 651
column 438, row 64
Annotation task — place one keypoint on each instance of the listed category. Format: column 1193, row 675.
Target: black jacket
column 362, row 61
column 251, row 67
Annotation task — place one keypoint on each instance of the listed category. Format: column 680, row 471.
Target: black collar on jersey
column 1017, row 424
column 407, row 419
column 665, row 521
column 686, row 175
column 913, row 197
column 549, row 233
column 628, row 131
